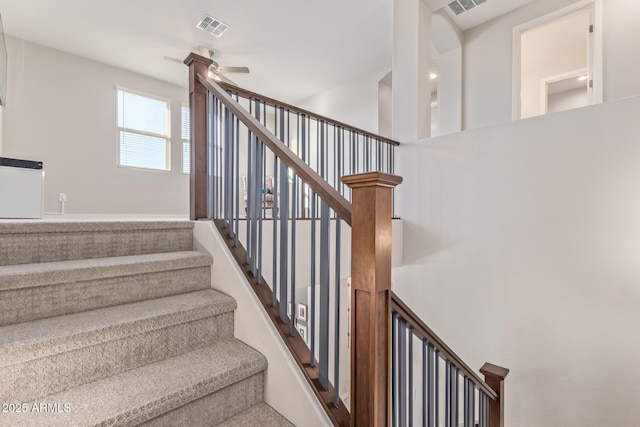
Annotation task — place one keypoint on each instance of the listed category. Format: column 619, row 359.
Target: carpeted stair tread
column 144, row 393
column 48, row 273
column 42, row 241
column 260, row 415
column 29, row 226
column 41, row 338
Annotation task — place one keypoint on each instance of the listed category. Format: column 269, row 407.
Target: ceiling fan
column 216, row 71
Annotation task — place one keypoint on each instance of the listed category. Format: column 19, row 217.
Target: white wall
column 488, row 58
column 61, row 109
column 567, row 100
column 354, row 102
column 521, row 249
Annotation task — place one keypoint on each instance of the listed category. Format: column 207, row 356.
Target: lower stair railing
column 357, row 347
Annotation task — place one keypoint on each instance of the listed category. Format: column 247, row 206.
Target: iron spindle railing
column 332, row 149
column 270, row 165
column 418, row 356
column 265, row 194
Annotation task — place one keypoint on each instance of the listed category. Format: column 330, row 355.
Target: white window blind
column 143, row 125
column 186, row 141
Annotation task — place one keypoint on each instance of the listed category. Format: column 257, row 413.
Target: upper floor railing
column 331, row 148
column 354, row 343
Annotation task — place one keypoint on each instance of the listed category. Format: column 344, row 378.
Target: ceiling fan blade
column 234, row 70
column 172, row 59
column 224, row 79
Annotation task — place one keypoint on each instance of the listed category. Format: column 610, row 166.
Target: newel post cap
column 371, row 179
column 194, row 57
column 495, row 371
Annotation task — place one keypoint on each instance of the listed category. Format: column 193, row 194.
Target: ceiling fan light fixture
column 212, row 25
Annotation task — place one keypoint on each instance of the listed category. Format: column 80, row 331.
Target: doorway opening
column 558, row 61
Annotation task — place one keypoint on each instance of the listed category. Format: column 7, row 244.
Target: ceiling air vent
column 212, row 25
column 461, row 6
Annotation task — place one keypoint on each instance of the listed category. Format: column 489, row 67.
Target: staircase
column 115, row 323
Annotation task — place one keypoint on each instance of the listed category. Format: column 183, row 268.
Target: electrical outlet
column 63, row 197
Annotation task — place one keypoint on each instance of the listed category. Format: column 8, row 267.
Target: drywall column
column 450, row 91
column 385, row 126
column 411, row 65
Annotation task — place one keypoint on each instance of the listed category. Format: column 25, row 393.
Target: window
column 143, row 128
column 186, row 142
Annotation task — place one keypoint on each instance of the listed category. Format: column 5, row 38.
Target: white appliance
column 21, row 188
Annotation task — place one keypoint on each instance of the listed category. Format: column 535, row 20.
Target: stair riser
column 35, row 247
column 40, row 377
column 214, row 408
column 21, row 305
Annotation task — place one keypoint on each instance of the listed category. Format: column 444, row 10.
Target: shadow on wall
column 431, row 243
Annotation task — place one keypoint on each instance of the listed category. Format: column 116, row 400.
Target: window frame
column 187, row 140
column 166, row 137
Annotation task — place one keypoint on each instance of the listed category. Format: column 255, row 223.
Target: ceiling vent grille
column 212, row 25
column 461, row 6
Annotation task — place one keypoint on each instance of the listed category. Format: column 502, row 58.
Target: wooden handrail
column 279, row 104
column 326, row 192
column 424, row 332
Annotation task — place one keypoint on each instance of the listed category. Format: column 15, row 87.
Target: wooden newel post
column 198, row 108
column 494, row 377
column 371, row 297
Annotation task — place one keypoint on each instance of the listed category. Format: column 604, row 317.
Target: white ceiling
column 295, row 49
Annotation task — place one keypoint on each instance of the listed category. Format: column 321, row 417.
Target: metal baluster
column 294, row 194
column 394, row 368
column 261, row 187
column 425, row 384
column 233, row 172
column 410, row 388
column 485, row 410
column 237, row 179
column 456, row 395
column 367, row 153
column 324, row 295
column 219, row 183
column 312, row 313
column 431, row 390
column 447, row 395
column 257, row 175
column 276, row 213
column 465, row 409
column 402, row 356
column 249, row 189
column 325, row 152
column 341, row 160
column 284, row 238
column 211, row 155
column 436, row 394
column 472, row 417
column 336, row 355
column 303, row 145
column 260, row 200
column 225, row 175
column 480, row 409
column 276, row 208
column 335, row 159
